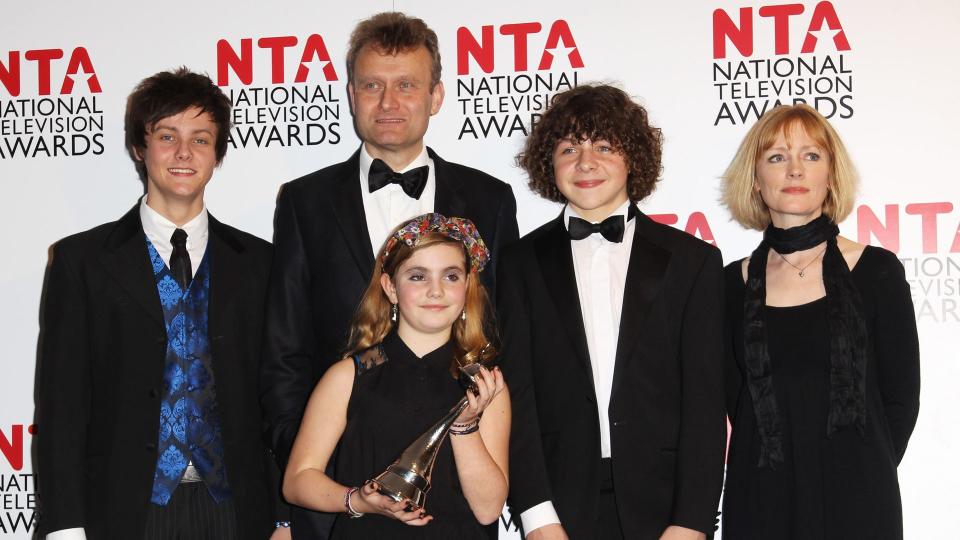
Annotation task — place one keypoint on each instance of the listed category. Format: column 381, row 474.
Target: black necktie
column 610, row 228
column 180, row 259
column 412, row 181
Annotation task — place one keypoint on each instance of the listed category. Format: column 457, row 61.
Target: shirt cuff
column 536, row 516
column 68, row 534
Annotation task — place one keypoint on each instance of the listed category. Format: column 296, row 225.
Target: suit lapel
column 227, row 267
column 125, row 258
column 645, row 273
column 448, row 200
column 352, row 220
column 556, row 265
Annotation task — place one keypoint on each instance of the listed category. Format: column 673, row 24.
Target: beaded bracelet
column 346, row 503
column 279, row 524
column 465, row 429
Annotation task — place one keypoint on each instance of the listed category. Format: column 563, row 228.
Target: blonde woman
column 822, row 373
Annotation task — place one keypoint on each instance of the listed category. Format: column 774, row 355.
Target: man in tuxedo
column 330, row 224
column 611, row 340
column 148, row 412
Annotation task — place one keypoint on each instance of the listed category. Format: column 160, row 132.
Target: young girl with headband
column 423, row 316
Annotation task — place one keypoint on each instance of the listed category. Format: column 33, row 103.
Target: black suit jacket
column 322, row 264
column 667, row 426
column 103, row 351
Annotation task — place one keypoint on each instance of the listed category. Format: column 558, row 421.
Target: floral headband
column 460, row 229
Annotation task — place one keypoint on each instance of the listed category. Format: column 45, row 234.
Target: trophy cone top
column 408, row 478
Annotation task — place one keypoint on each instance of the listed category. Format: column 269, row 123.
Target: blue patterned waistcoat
column 189, row 418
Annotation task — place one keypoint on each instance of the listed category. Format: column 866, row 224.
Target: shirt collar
column 396, row 349
column 160, row 228
column 366, row 160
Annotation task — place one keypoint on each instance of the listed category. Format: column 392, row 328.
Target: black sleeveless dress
column 838, row 487
column 396, row 397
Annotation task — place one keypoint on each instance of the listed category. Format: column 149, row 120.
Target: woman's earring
column 463, row 315
column 394, row 311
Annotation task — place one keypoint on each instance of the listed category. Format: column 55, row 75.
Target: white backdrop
column 702, row 68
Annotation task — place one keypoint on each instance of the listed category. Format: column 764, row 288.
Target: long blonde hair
column 471, row 334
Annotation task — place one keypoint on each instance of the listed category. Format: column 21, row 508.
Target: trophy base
column 397, row 486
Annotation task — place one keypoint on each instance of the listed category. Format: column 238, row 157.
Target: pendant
column 801, row 272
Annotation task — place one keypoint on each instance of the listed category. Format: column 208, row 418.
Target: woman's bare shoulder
column 342, row 371
column 851, row 251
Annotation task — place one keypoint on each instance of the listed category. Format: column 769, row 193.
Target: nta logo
column 314, row 52
column 13, row 448
column 11, row 73
column 741, row 36
column 887, row 230
column 559, row 42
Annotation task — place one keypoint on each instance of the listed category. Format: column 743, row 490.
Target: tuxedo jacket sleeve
column 290, row 347
column 700, row 447
column 63, row 394
column 530, row 484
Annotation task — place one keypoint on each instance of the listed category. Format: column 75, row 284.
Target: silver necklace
column 801, row 270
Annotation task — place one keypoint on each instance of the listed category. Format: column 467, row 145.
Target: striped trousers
column 191, row 514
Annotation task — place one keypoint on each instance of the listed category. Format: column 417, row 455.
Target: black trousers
column 309, row 525
column 191, row 514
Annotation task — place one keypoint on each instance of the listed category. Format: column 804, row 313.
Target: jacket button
column 162, row 339
column 151, row 447
column 154, row 393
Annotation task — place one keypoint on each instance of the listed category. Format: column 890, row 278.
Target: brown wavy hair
column 471, row 337
column 594, row 112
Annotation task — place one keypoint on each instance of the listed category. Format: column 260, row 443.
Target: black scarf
column 848, row 335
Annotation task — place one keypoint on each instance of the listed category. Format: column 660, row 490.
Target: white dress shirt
column 390, row 206
column 68, row 534
column 159, row 230
column 601, row 271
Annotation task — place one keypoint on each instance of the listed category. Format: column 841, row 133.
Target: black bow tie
column 412, row 181
column 610, row 228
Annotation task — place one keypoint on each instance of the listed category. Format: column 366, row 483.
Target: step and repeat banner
column 705, row 70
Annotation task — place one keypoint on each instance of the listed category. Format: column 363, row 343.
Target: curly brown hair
column 594, row 112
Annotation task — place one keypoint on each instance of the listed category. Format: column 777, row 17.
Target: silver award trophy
column 408, row 477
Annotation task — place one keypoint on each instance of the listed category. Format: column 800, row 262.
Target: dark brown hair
column 594, row 112
column 392, row 32
column 169, row 93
